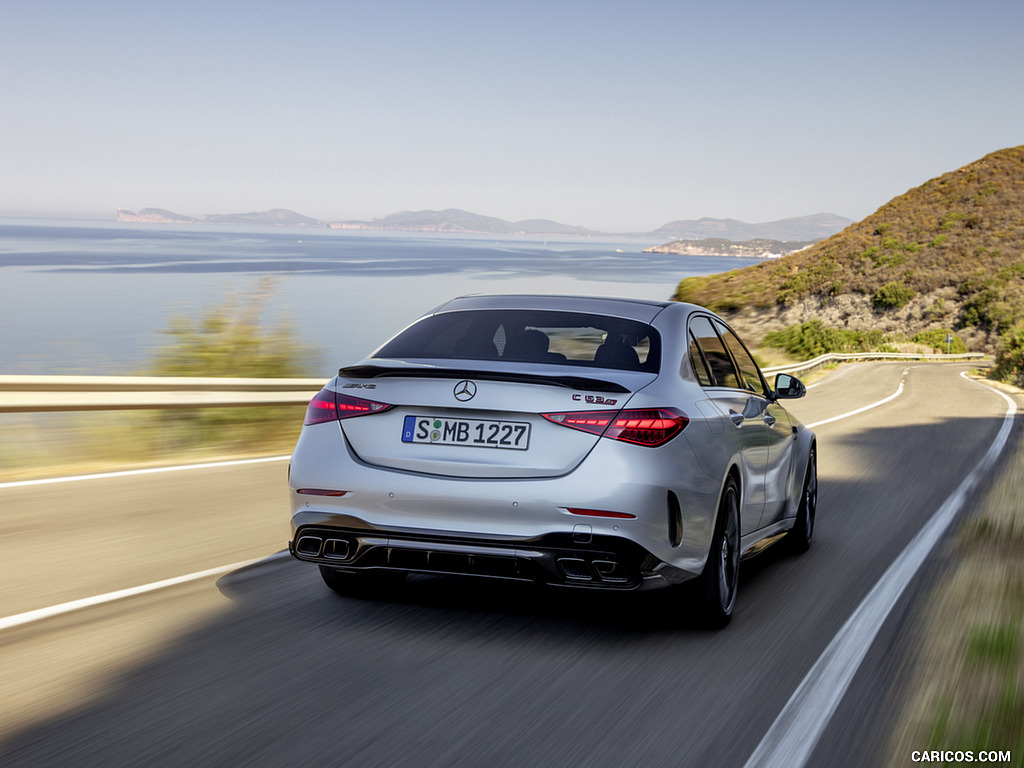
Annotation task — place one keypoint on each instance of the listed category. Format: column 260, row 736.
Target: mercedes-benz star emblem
column 465, row 390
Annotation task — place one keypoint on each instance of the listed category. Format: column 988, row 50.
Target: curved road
column 261, row 665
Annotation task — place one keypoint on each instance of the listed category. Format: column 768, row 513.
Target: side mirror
column 788, row 387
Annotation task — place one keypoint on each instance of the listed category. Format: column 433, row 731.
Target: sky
column 617, row 116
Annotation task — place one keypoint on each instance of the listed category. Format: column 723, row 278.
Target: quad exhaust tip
column 309, row 546
column 597, row 569
column 336, row 549
column 578, row 569
column 330, row 549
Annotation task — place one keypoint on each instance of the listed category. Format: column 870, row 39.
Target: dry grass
column 58, row 444
column 967, row 690
column 947, row 252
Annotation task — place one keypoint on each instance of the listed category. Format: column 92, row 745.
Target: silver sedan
column 583, row 442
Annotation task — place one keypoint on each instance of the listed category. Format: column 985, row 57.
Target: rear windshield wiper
column 569, row 382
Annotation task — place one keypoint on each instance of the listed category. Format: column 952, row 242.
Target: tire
column 362, row 585
column 802, row 532
column 719, row 581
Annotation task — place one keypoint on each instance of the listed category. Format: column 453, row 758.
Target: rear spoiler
column 569, row 382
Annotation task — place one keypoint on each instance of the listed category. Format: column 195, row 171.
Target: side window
column 699, row 366
column 750, row 377
column 723, row 373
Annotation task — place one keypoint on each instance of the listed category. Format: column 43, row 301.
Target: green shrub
column 950, row 219
column 229, row 339
column 937, row 310
column 812, row 338
column 1009, row 365
column 936, row 339
column 892, row 295
column 890, row 260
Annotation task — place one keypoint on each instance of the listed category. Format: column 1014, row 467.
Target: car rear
column 463, row 447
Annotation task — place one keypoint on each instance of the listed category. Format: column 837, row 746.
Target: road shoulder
column 966, row 671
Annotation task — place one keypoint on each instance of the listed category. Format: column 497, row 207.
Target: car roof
column 644, row 310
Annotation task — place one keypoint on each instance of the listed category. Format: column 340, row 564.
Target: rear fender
column 734, row 472
column 805, row 440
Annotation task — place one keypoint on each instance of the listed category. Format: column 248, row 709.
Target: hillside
column 948, row 254
column 715, row 246
column 806, row 228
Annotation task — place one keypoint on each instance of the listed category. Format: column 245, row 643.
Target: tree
column 229, row 340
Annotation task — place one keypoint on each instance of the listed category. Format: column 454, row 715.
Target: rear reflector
column 320, row 492
column 601, row 513
column 328, row 405
column 641, row 426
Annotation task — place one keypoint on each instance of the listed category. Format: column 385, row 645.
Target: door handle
column 736, row 418
column 769, row 420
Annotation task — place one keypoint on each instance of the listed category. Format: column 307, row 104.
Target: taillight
column 594, row 422
column 601, row 513
column 641, row 426
column 332, row 406
column 654, row 426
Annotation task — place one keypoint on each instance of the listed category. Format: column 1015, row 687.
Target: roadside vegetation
column 813, row 338
column 967, row 682
column 230, row 338
column 946, row 255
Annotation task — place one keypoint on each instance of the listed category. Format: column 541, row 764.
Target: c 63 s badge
column 595, row 399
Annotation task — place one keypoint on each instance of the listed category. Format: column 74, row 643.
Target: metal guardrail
column 41, row 394
column 863, row 357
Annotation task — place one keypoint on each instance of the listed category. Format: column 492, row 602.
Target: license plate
column 476, row 433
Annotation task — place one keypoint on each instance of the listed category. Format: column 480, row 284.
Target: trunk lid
column 479, row 422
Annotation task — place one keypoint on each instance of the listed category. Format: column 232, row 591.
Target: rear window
column 530, row 336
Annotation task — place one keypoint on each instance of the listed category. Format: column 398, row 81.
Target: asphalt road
column 263, row 666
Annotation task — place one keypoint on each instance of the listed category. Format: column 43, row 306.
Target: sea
column 97, row 297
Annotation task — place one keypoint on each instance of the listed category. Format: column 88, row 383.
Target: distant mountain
column 279, row 217
column 454, row 220
column 153, row 216
column 802, row 228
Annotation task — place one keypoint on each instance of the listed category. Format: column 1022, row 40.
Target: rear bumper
column 565, row 559
column 666, row 501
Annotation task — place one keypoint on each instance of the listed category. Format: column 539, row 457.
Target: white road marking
column 28, row 617
column 149, row 471
column 798, row 728
column 883, row 401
